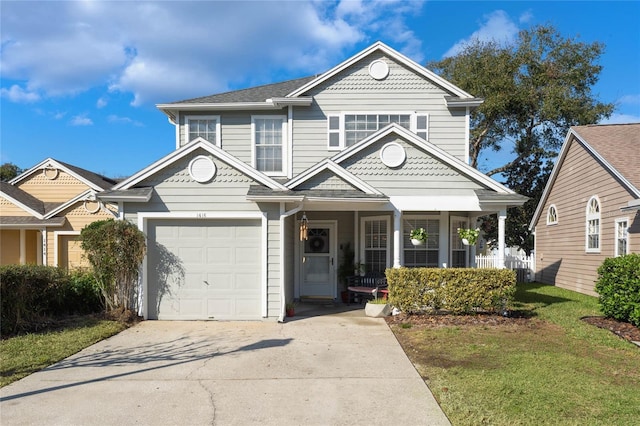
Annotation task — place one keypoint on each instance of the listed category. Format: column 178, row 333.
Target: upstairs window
column 593, row 226
column 269, row 143
column 350, row 128
column 552, row 215
column 206, row 127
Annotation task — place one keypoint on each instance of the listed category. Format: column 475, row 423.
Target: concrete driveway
column 337, row 369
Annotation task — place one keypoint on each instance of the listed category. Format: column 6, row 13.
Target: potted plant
column 290, row 309
column 377, row 308
column 469, row 236
column 418, row 236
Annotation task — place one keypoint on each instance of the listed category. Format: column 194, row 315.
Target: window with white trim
column 552, row 215
column 622, row 237
column 206, row 127
column 425, row 255
column 376, row 244
column 458, row 249
column 593, row 225
column 347, row 129
column 269, row 143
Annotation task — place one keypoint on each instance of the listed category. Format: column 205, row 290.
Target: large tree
column 534, row 90
column 8, row 171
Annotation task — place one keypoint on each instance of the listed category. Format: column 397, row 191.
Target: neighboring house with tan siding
column 43, row 210
column 358, row 156
column 590, row 208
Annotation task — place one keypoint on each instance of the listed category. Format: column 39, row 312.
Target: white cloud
column 17, row 94
column 621, row 119
column 123, row 120
column 497, row 26
column 81, row 120
column 102, row 102
column 166, row 51
column 630, row 99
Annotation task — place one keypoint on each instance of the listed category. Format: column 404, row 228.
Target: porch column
column 44, row 247
column 502, row 217
column 23, row 247
column 397, row 223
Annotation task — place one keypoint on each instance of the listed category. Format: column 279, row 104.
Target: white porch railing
column 510, row 262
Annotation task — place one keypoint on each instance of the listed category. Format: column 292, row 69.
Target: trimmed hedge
column 618, row 285
column 456, row 290
column 33, row 294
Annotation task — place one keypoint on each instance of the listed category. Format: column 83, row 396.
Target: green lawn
column 552, row 368
column 23, row 355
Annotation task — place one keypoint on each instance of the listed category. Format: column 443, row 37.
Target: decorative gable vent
column 379, row 69
column 393, row 154
column 202, row 169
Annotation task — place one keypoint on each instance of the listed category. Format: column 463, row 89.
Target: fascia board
column 227, row 106
column 80, row 197
column 51, row 161
column 189, row 148
column 397, row 56
column 440, row 154
column 270, row 199
column 552, row 178
column 22, row 206
column 327, row 164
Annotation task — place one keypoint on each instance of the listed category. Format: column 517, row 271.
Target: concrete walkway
column 337, row 369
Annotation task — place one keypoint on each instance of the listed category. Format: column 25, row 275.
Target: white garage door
column 204, row 269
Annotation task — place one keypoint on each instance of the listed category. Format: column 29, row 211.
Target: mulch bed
column 622, row 329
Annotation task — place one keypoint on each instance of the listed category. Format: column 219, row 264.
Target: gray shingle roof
column 619, row 144
column 99, row 180
column 23, row 197
column 252, row 94
column 30, row 220
column 258, row 190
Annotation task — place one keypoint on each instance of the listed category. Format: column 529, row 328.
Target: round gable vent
column 202, row 169
column 393, row 154
column 379, row 69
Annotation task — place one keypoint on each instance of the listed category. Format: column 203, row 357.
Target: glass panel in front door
column 317, row 264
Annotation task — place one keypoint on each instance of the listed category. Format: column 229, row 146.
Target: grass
column 552, row 368
column 26, row 354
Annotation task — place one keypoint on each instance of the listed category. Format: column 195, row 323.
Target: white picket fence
column 525, row 265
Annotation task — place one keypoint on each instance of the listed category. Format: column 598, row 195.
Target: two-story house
column 43, row 210
column 268, row 186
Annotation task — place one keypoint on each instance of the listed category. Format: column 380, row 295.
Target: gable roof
column 398, row 57
column 291, row 92
column 93, row 180
column 22, row 199
column 198, row 143
column 431, row 149
column 616, row 146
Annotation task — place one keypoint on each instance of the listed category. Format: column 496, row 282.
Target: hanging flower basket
column 469, row 236
column 418, row 236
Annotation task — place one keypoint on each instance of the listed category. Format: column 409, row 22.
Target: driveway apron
column 338, row 369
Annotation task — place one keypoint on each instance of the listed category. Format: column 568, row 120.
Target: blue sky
column 80, row 80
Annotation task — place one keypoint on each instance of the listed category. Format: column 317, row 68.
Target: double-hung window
column 622, row 237
column 269, row 135
column 425, row 255
column 348, row 129
column 376, row 243
column 593, row 226
column 458, row 249
column 206, row 127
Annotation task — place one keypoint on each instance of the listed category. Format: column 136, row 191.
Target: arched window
column 593, row 225
column 552, row 215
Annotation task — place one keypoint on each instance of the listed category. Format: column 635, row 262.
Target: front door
column 318, row 263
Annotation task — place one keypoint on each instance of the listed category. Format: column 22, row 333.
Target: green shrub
column 618, row 285
column 457, row 290
column 33, row 294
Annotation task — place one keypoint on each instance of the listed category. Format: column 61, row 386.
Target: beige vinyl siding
column 354, row 90
column 77, row 218
column 421, row 174
column 561, row 257
column 63, row 188
column 7, row 208
column 9, row 247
